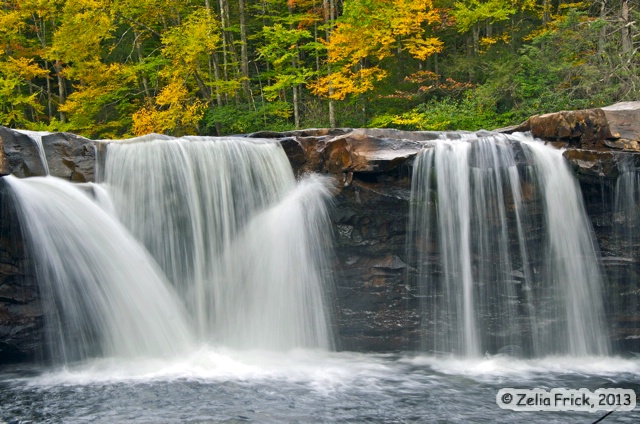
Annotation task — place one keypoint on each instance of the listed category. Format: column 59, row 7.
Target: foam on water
column 330, row 371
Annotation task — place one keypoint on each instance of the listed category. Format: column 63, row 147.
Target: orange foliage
column 376, row 30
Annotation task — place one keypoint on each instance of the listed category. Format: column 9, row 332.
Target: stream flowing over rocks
column 377, row 303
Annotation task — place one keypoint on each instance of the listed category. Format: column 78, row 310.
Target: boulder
column 585, row 129
column 343, row 152
column 19, row 155
column 624, row 123
column 68, row 156
column 612, row 127
column 369, row 151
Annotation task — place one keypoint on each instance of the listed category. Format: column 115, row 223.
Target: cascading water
column 243, row 245
column 102, row 293
column 219, row 245
column 506, row 261
column 626, row 229
column 627, row 205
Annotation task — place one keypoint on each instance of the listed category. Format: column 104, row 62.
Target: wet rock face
column 21, row 317
column 376, row 310
column 618, row 238
column 19, row 155
column 68, row 156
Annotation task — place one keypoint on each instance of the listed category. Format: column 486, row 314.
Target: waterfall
column 241, row 242
column 627, row 205
column 626, row 236
column 36, row 136
column 505, row 257
column 102, row 294
column 187, row 241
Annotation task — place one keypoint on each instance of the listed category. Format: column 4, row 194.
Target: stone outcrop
column 584, row 128
column 68, row 156
column 612, row 127
column 624, row 123
column 19, row 155
column 348, row 151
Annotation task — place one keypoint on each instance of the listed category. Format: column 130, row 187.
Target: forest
column 120, row 68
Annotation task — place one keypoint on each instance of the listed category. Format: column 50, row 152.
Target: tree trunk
column 328, row 7
column 602, row 37
column 546, row 11
column 296, row 109
column 625, row 30
column 476, row 38
column 145, row 81
column 49, row 103
column 223, row 29
column 62, row 92
column 244, row 55
column 216, row 75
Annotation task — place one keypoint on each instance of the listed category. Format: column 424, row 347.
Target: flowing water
column 103, row 294
column 193, row 283
column 626, row 233
column 222, row 386
column 506, row 258
column 243, row 244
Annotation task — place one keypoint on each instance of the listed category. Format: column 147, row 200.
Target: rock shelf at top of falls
column 375, row 309
column 594, row 139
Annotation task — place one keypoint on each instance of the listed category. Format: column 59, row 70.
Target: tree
column 175, row 111
column 369, row 32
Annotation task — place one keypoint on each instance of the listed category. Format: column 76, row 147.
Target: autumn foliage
column 117, row 68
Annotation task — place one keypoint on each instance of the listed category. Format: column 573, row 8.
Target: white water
column 572, row 261
column 221, row 246
column 515, row 267
column 244, row 245
column 627, row 203
column 102, row 293
column 327, row 371
column 301, row 386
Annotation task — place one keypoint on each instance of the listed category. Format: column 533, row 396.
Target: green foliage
column 272, row 116
column 470, row 12
column 469, row 113
column 281, row 48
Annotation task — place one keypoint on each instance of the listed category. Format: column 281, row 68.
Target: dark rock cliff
column 21, row 315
